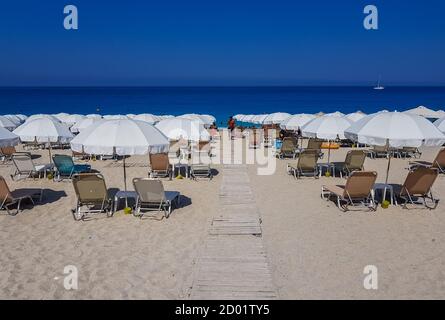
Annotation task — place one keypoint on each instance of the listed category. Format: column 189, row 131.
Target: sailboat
column 379, row 87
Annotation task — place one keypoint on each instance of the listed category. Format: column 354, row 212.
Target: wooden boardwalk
column 233, row 263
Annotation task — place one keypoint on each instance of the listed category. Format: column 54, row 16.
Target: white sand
column 315, row 250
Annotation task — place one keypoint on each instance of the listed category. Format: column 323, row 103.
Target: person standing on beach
column 231, row 126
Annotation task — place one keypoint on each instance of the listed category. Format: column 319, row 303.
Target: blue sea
column 218, row 101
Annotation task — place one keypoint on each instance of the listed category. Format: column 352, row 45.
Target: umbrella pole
column 387, row 176
column 329, row 152
column 125, row 184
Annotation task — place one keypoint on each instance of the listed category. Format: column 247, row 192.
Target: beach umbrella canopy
column 296, row 121
column 355, row 116
column 40, row 116
column 147, row 117
column 326, row 128
column 335, row 114
column 124, row 137
column 208, row 118
column 440, row 113
column 43, row 130
column 276, row 118
column 196, row 117
column 179, row 128
column 259, row 118
column 7, row 124
column 320, row 114
column 397, row 130
column 247, row 118
column 115, row 117
column 22, row 117
column 83, row 124
column 238, row 116
column 8, row 139
column 424, row 112
column 14, row 119
column 440, row 124
column 71, row 119
column 93, row 116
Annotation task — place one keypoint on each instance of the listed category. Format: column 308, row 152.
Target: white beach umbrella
column 335, row 114
column 14, row 119
column 208, row 118
column 259, row 118
column 178, row 128
column 22, row 117
column 93, row 116
column 326, row 128
column 440, row 113
column 320, row 114
column 83, row 124
column 238, row 117
column 247, row 118
column 355, row 116
column 440, row 124
column 205, row 121
column 44, row 130
column 71, row 119
column 276, row 118
column 7, row 124
column 131, row 115
column 296, row 121
column 115, row 117
column 395, row 129
column 147, row 117
column 42, row 116
column 8, row 139
column 124, row 137
column 424, row 112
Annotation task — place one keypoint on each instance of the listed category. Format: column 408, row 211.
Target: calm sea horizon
column 220, row 102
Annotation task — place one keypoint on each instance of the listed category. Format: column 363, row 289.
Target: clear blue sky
column 211, row 42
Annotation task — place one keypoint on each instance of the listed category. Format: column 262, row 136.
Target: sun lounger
column 407, row 152
column 10, row 198
column 25, row 167
column 92, row 195
column 356, row 192
column 306, row 165
column 438, row 163
column 379, row 151
column 254, row 139
column 354, row 161
column 6, row 153
column 160, row 166
column 153, row 197
column 200, row 171
column 417, row 186
column 65, row 167
column 288, row 148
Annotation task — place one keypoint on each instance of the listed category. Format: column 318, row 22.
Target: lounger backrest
column 90, row 187
column 355, row 159
column 202, row 145
column 5, row 193
column 254, row 137
column 381, row 148
column 289, row 144
column 7, row 151
column 314, row 144
column 159, row 161
column 360, row 183
column 419, row 181
column 149, row 190
column 440, row 159
column 23, row 162
column 308, row 160
column 63, row 163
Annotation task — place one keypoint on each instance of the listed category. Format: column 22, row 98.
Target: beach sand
column 315, row 251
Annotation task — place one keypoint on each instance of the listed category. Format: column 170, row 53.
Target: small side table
column 123, row 195
column 385, row 187
column 326, row 166
column 179, row 166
